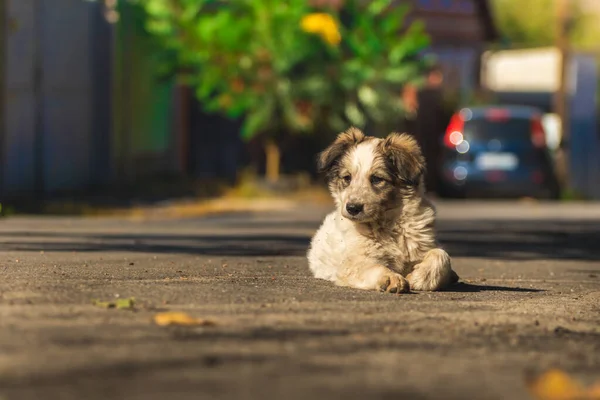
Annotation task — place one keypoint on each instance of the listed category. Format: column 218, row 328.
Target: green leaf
column 121, row 304
column 399, row 12
column 400, row 74
column 257, row 120
column 354, row 115
column 367, row 96
column 376, row 7
column 157, row 8
column 399, row 51
column 391, row 25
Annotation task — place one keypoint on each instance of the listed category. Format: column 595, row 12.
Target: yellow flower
column 324, row 25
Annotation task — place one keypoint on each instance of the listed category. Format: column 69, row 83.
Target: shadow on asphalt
column 522, row 240
column 506, row 240
column 462, row 287
column 263, row 333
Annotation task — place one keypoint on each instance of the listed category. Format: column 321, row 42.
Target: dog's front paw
column 433, row 273
column 421, row 279
column 393, row 283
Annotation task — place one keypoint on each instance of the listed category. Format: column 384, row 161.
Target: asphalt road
column 529, row 300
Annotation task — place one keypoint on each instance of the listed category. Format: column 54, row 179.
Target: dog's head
column 368, row 176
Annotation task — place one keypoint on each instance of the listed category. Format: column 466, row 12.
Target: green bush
column 284, row 66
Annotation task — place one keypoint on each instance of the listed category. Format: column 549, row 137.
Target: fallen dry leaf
column 180, row 319
column 558, row 385
column 123, row 304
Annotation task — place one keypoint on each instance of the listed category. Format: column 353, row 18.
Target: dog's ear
column 328, row 159
column 404, row 158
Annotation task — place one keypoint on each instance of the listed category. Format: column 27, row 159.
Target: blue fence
column 54, row 96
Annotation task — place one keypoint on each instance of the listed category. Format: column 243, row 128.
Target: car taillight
column 454, row 132
column 538, row 136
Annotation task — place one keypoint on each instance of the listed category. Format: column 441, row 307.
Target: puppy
column 381, row 235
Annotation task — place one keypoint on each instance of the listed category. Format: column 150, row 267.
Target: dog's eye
column 347, row 179
column 376, row 180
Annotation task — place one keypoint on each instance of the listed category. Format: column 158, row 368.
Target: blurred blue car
column 497, row 152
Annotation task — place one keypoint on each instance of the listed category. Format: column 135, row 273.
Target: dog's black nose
column 354, row 209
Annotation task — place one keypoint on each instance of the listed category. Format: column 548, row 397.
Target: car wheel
column 550, row 192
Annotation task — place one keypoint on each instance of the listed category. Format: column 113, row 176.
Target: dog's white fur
column 393, row 246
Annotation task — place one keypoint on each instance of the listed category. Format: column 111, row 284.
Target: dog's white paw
column 393, row 283
column 433, row 273
column 421, row 279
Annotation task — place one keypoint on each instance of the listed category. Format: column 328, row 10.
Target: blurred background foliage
column 286, row 67
column 533, row 23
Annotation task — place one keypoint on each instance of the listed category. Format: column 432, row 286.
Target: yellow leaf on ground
column 180, row 319
column 595, row 391
column 558, row 385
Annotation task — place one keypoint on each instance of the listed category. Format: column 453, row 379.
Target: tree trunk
column 273, row 160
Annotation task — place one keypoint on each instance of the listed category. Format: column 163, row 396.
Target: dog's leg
column 433, row 273
column 376, row 277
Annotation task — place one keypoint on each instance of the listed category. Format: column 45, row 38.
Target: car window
column 511, row 130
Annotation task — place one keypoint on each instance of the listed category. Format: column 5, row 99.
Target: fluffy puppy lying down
column 381, row 235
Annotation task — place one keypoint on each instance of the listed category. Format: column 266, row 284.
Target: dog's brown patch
column 328, row 159
column 404, row 158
